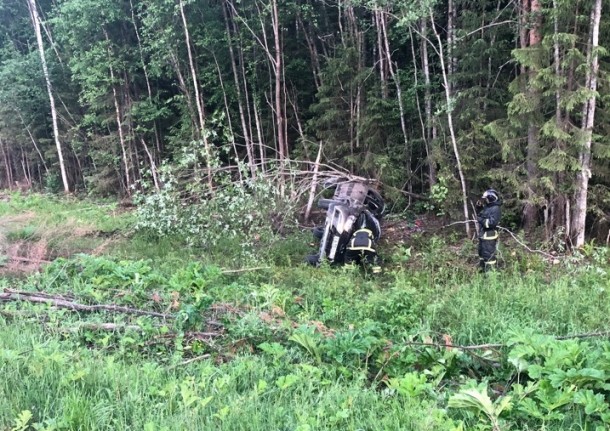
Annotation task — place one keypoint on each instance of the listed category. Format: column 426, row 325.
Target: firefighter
column 488, row 217
column 361, row 248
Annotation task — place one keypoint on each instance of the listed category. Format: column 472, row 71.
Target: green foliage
column 308, row 340
column 568, row 379
column 246, row 214
column 316, row 337
column 477, row 399
column 438, row 197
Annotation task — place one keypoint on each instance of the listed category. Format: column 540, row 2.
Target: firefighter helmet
column 490, row 195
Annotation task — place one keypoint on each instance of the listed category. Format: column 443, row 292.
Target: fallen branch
column 458, row 222
column 585, row 335
column 14, row 295
column 41, row 294
column 489, row 346
column 548, row 255
column 521, row 243
column 25, row 259
column 456, row 346
column 233, row 271
column 188, row 361
column 108, row 327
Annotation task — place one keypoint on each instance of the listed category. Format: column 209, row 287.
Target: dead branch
column 42, row 294
column 108, row 327
column 585, row 335
column 188, row 361
column 312, row 190
column 14, row 295
column 25, row 259
column 491, row 346
column 455, row 346
column 548, row 255
column 233, row 271
column 521, row 243
column 458, row 222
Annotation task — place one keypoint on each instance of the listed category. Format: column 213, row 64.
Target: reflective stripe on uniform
column 493, row 234
column 361, row 249
column 361, row 241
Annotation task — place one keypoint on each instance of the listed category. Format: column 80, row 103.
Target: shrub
column 251, row 211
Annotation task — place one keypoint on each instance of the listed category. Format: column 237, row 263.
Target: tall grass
column 61, row 226
column 70, row 387
column 303, row 349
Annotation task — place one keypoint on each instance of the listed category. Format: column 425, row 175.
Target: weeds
column 288, row 346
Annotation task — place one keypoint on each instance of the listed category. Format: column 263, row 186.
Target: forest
column 437, row 101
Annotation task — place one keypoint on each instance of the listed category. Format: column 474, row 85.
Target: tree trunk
column 240, row 104
column 119, row 122
column 532, row 38
column 430, row 134
column 147, row 79
column 259, row 134
column 297, row 119
column 579, row 209
column 279, row 86
column 153, row 166
column 450, row 122
column 230, row 123
column 46, row 170
column 275, row 78
column 187, row 94
column 451, row 60
column 47, row 78
column 313, row 51
column 314, row 181
column 383, row 57
column 198, row 100
column 7, row 165
column 390, row 65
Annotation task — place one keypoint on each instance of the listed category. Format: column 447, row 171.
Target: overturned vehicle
column 351, row 229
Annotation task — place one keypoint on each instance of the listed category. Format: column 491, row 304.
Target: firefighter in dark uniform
column 488, row 217
column 361, row 248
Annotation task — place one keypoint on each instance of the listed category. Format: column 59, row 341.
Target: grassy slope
column 79, row 379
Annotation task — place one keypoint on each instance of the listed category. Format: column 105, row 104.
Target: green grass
column 76, row 388
column 301, row 348
column 61, row 226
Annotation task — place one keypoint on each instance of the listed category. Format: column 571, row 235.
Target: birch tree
column 198, row 99
column 449, row 108
column 36, row 23
column 588, row 118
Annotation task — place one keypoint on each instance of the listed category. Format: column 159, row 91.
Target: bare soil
column 26, row 255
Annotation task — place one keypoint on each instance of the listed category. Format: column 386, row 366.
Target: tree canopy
column 457, row 94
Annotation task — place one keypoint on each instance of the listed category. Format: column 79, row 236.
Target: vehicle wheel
column 325, row 203
column 375, row 203
column 318, row 232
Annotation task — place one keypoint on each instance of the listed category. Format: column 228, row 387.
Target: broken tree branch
column 521, row 243
column 14, row 295
column 489, row 346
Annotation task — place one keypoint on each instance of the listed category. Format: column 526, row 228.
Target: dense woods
column 430, row 98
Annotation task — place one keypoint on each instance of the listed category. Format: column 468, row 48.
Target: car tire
column 325, row 203
column 318, row 232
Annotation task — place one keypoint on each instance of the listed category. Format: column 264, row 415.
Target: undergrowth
column 159, row 335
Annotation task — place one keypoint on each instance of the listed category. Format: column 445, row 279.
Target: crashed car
column 351, row 228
